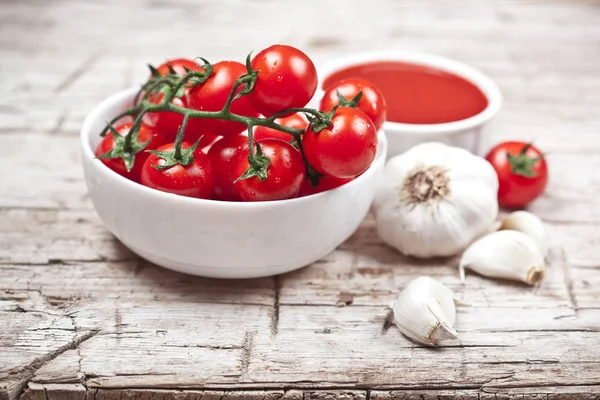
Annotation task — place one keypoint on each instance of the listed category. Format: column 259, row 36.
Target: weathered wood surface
column 82, row 318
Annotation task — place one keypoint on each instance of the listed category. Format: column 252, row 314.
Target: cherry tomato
column 285, row 173
column 522, row 173
column 223, row 156
column 287, row 78
column 116, row 164
column 346, row 148
column 371, row 102
column 192, row 180
column 293, row 121
column 169, row 122
column 212, row 94
column 326, row 183
column 178, row 66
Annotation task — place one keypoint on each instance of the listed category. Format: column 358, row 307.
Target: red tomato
column 285, row 173
column 169, row 122
column 326, row 183
column 116, row 164
column 223, row 156
column 371, row 103
column 522, row 173
column 212, row 94
column 192, row 180
column 178, row 65
column 346, row 148
column 293, row 121
column 287, row 78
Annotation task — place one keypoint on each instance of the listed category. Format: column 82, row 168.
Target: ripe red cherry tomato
column 522, row 173
column 293, row 121
column 287, row 78
column 223, row 156
column 192, row 180
column 346, row 148
column 325, row 183
column 285, row 173
column 371, row 102
column 116, row 164
column 212, row 94
column 169, row 122
column 179, row 65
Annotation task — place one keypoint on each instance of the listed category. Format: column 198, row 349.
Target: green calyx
column 353, row 102
column 126, row 150
column 321, row 120
column 521, row 164
column 176, row 156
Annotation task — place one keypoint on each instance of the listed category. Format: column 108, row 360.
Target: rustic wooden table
column 81, row 317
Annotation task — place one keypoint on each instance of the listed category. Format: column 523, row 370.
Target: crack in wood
column 77, row 73
column 275, row 310
column 560, row 257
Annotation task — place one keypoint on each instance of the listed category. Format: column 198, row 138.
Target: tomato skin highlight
column 285, row 173
column 516, row 190
column 292, row 121
column 346, row 148
column 212, row 95
column 325, row 183
column 224, row 155
column 146, row 133
column 193, row 180
column 371, row 103
column 287, row 78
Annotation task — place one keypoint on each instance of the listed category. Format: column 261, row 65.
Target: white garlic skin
column 505, row 254
column 444, row 226
column 425, row 312
column 529, row 224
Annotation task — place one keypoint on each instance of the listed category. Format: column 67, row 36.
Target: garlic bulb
column 424, row 311
column 434, row 200
column 529, row 224
column 507, row 255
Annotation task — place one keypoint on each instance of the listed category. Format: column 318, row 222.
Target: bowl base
column 218, row 272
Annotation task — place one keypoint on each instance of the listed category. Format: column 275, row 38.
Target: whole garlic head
column 434, row 200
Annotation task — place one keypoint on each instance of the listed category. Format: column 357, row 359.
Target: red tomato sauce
column 417, row 94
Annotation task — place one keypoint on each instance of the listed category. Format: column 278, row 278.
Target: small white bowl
column 471, row 133
column 221, row 239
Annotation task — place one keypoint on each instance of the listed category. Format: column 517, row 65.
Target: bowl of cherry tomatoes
column 219, row 171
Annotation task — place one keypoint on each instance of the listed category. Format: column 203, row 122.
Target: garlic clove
column 505, row 254
column 424, row 311
column 529, row 224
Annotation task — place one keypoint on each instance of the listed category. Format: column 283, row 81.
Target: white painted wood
column 83, row 318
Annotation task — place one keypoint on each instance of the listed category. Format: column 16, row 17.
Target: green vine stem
column 171, row 85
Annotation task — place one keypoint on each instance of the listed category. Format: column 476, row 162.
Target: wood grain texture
column 83, row 318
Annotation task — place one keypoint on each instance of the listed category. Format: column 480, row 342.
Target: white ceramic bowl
column 471, row 133
column 221, row 239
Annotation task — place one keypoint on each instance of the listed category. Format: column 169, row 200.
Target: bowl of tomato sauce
column 428, row 97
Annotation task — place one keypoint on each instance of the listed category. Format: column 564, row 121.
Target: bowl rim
column 487, row 86
column 124, row 95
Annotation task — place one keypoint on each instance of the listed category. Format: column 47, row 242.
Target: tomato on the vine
column 169, row 122
column 224, row 154
column 146, row 133
column 371, row 101
column 285, row 173
column 346, row 148
column 212, row 95
column 287, row 78
column 325, row 183
column 293, row 121
column 192, row 180
column 522, row 173
column 178, row 65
